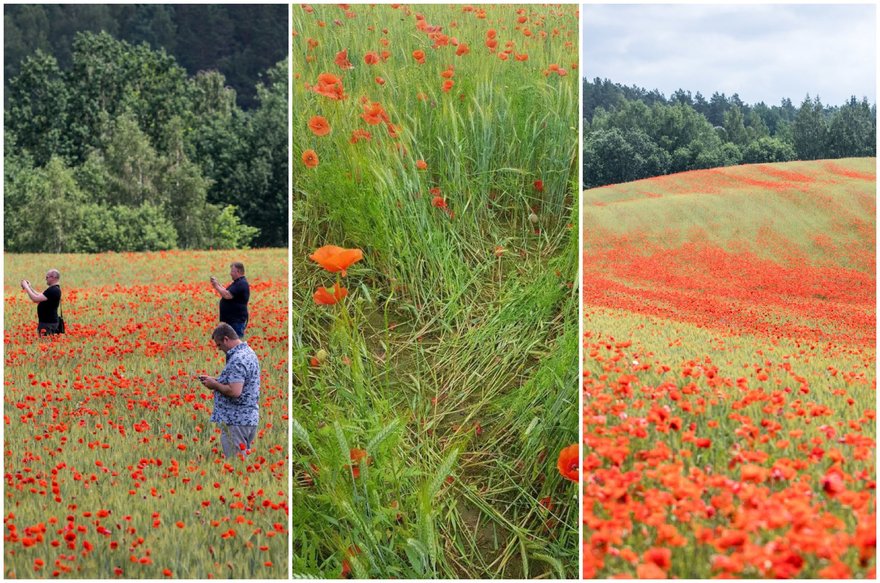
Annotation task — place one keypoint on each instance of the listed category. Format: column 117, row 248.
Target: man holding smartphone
column 234, row 298
column 47, row 303
column 236, row 392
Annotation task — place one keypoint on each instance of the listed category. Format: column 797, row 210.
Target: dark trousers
column 238, row 327
column 47, row 328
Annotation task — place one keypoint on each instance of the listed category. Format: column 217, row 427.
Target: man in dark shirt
column 234, row 298
column 47, row 302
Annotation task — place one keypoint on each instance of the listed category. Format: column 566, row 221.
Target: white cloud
column 761, row 52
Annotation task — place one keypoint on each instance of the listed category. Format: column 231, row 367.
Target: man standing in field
column 236, row 392
column 47, row 303
column 234, row 298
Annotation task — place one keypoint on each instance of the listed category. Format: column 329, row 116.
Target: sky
column 761, row 52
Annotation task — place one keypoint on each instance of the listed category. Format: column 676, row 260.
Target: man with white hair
column 47, row 303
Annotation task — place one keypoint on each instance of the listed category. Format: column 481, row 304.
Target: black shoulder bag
column 61, row 329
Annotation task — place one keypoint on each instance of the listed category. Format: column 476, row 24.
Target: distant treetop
column 238, row 40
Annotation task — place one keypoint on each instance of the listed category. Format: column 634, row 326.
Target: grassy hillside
column 729, row 384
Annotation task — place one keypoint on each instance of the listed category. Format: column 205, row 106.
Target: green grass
column 740, row 205
column 455, row 369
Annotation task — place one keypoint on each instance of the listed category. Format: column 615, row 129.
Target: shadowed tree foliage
column 238, row 40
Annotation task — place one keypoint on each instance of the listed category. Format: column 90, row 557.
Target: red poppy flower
column 319, row 126
column 462, row 50
column 342, row 60
column 371, row 58
column 334, row 259
column 419, row 56
column 323, row 297
column 329, row 86
column 310, row 158
column 439, row 202
column 539, row 185
column 421, row 165
column 569, row 462
column 356, row 456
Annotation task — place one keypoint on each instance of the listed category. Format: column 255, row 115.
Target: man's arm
column 221, row 291
column 231, row 390
column 32, row 294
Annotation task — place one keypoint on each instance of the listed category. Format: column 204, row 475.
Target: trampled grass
column 431, row 403
column 730, row 389
column 111, row 466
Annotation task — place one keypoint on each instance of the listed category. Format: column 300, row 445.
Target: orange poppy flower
column 334, row 259
column 462, row 50
column 323, row 297
column 447, row 85
column 360, row 134
column 419, row 56
column 342, row 60
column 356, row 456
column 329, row 86
column 569, row 462
column 421, row 165
column 319, row 126
column 310, row 158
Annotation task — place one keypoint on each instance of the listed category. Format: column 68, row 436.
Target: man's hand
column 208, row 382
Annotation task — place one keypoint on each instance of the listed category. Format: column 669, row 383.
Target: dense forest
column 632, row 133
column 240, row 41
column 124, row 150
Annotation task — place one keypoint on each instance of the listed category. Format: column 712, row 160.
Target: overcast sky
column 761, row 52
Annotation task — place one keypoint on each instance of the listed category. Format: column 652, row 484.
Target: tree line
column 123, row 150
column 632, row 133
column 239, row 40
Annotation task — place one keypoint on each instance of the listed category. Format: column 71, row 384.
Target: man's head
column 224, row 337
column 236, row 270
column 53, row 276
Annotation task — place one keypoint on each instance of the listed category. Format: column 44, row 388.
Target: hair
column 238, row 265
column 54, row 272
column 224, row 330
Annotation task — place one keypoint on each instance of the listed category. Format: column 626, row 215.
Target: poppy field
column 729, row 373
column 434, row 308
column 111, row 466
